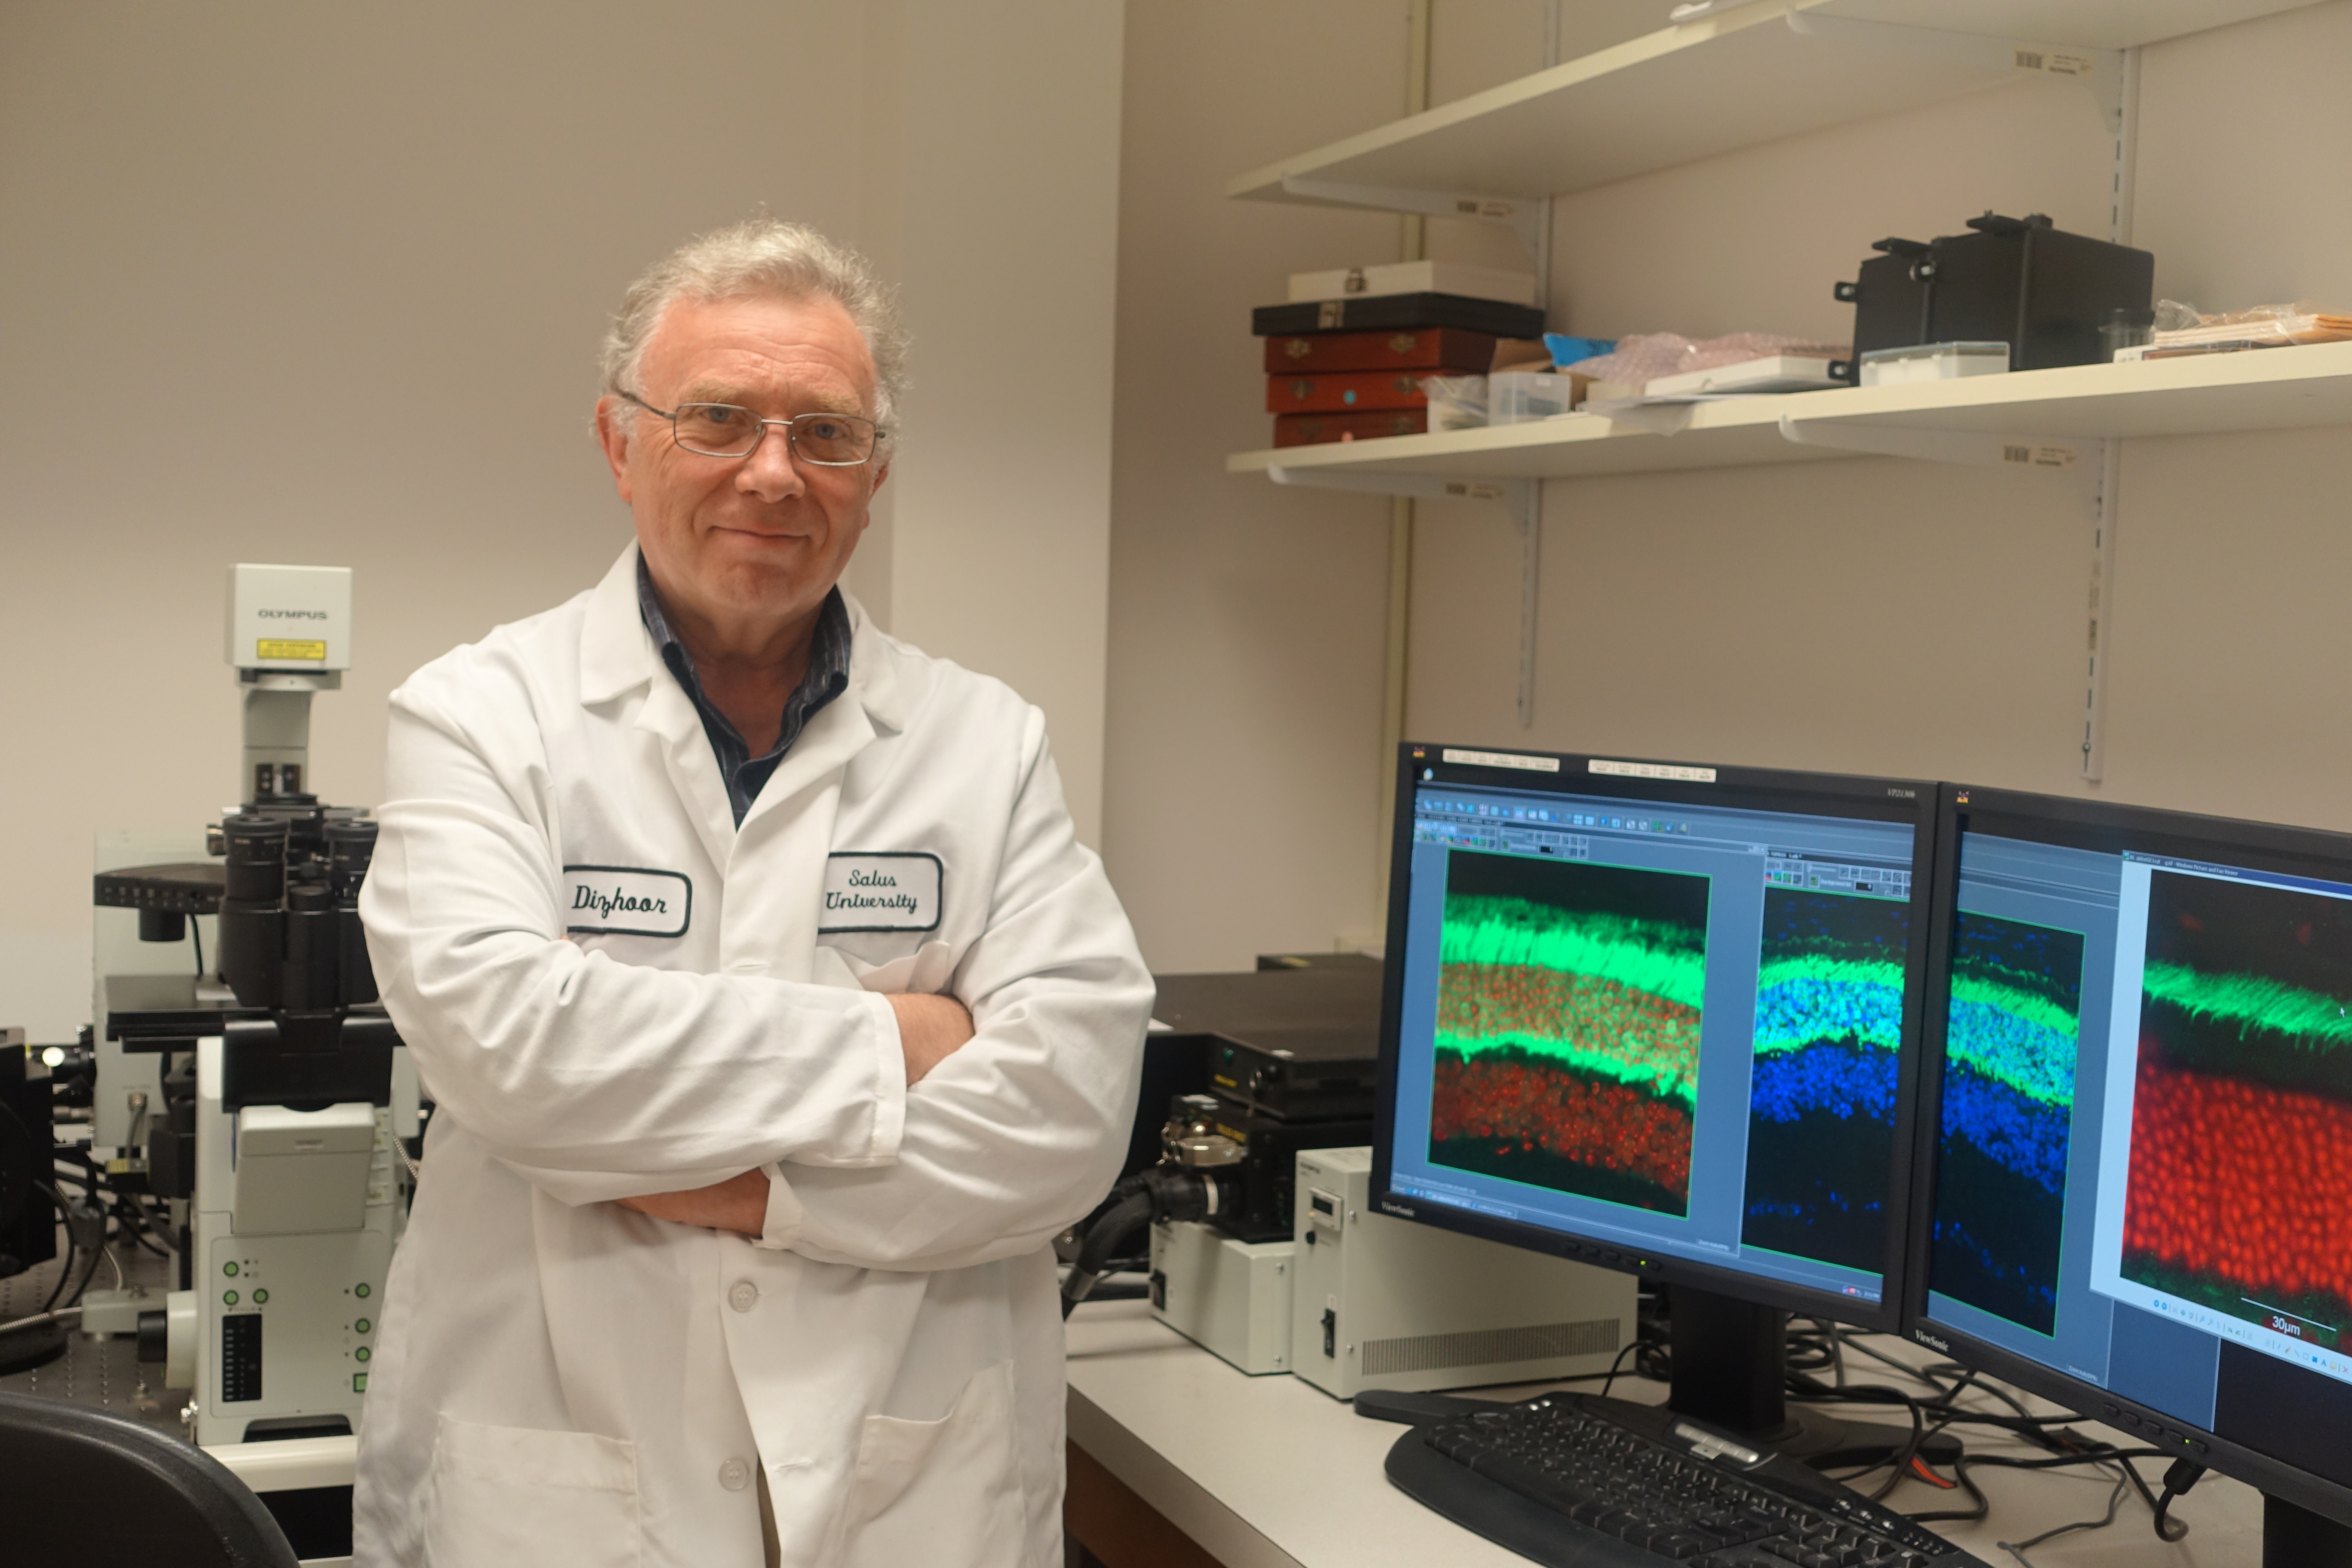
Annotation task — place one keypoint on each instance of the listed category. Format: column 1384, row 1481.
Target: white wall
column 1245, row 622
column 1006, row 242
column 1865, row 615
column 347, row 268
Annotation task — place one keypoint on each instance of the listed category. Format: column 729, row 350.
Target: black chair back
column 84, row 1487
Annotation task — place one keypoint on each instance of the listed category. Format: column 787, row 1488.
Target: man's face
column 746, row 545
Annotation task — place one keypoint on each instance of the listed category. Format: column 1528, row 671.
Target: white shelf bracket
column 1524, row 497
column 1933, row 445
column 1526, row 217
column 2099, row 70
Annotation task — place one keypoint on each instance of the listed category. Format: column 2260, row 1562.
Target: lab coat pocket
column 505, row 1495
column 945, row 1493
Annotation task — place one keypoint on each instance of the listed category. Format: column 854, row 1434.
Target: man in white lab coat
column 775, row 1017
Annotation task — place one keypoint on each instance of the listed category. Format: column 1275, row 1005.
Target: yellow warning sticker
column 288, row 648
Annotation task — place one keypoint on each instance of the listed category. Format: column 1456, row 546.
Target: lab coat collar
column 617, row 652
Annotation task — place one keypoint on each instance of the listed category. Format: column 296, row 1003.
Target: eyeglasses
column 724, row 430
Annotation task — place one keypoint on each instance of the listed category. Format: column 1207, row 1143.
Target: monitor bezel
column 2105, row 827
column 1908, row 801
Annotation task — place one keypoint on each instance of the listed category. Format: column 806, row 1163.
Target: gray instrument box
column 1226, row 1296
column 1378, row 1302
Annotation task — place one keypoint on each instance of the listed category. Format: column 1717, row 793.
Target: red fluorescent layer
column 1608, row 1126
column 2241, row 1182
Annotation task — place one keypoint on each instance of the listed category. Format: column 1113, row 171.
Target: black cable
column 1628, row 1348
column 72, row 1246
column 197, row 932
column 2114, row 1500
column 1117, row 1226
column 2183, row 1475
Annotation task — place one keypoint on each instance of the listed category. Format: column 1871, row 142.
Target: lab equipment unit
column 275, row 1094
column 1379, row 1303
column 1288, row 1055
column 1232, row 1297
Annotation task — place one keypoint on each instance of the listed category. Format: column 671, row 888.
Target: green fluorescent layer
column 2021, row 1037
column 2317, row 1023
column 1669, row 1079
column 1805, row 999
column 1640, row 955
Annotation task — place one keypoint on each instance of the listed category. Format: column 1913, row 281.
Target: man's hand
column 929, row 1030
column 738, row 1204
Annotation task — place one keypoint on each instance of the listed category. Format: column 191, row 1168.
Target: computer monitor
column 2134, row 1187
column 1663, row 1017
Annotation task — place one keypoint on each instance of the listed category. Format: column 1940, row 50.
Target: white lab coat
column 560, row 1380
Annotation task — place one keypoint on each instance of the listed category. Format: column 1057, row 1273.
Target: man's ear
column 881, row 472
column 613, row 436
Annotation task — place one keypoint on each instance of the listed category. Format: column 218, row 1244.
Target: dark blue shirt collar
column 827, row 678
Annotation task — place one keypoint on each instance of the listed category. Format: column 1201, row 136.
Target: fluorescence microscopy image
column 2009, row 1098
column 2239, row 1196
column 1821, row 1116
column 1568, row 1027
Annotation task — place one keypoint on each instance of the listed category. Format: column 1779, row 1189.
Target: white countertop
column 1271, row 1472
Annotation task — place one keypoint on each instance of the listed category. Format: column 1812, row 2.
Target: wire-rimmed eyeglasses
column 725, row 430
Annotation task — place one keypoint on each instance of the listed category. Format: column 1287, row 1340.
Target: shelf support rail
column 1525, row 499
column 2100, row 70
column 1526, row 217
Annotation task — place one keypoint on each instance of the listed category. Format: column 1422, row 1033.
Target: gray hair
column 762, row 256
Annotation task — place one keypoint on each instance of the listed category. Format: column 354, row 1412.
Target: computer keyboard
column 1578, row 1482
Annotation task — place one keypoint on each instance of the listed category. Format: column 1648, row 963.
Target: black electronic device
column 2020, row 281
column 2134, row 1192
column 1663, row 1017
column 1300, row 1043
column 1579, row 1482
column 28, row 1220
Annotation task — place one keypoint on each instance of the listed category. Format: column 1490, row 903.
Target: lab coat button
column 734, row 1475
column 742, row 1295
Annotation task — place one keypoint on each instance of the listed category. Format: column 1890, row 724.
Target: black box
column 2040, row 290
column 1300, row 1043
column 1398, row 312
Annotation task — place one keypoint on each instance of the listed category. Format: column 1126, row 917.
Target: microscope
column 281, row 1100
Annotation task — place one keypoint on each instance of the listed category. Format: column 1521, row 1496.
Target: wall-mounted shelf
column 1745, row 75
column 2270, row 389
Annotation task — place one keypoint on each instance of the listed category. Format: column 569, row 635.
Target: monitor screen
column 1658, row 1016
column 2137, row 1181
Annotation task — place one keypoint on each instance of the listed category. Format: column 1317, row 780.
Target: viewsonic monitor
column 2134, row 1187
column 1662, row 1018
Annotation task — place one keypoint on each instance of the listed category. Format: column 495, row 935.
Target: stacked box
column 1350, row 370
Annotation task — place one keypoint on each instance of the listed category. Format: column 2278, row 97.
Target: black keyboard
column 1578, row 1482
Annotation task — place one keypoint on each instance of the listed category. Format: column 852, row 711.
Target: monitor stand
column 1730, row 1364
column 2295, row 1537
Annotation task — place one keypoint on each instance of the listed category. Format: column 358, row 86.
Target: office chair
column 85, row 1487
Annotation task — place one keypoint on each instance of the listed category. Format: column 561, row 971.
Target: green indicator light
column 229, row 1269
column 260, row 1295
column 228, row 1297
column 362, row 1290
column 359, row 1383
column 364, row 1325
column 362, row 1353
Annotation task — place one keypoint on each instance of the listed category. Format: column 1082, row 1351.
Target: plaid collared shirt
column 827, row 678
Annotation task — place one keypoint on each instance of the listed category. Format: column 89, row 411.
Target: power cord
column 2183, row 1475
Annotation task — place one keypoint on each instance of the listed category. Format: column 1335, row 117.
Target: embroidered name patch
column 625, row 901
column 881, row 893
